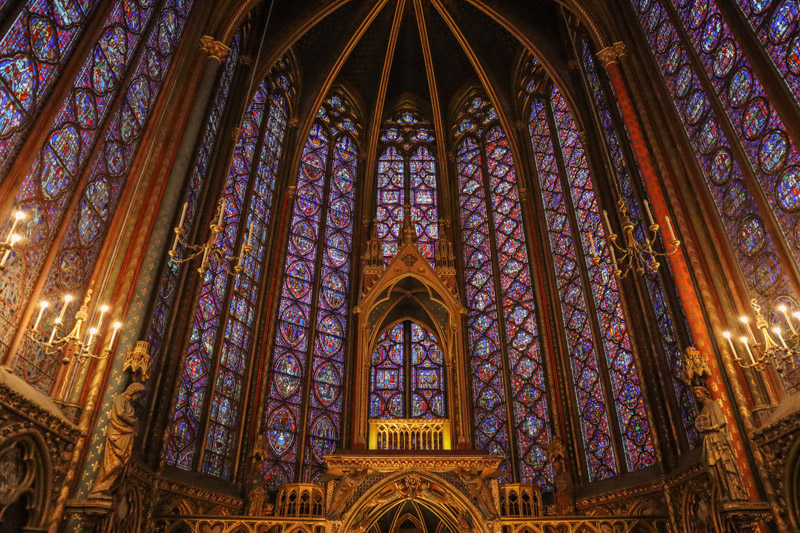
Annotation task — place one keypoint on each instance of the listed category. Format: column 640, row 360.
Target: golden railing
column 409, row 434
column 300, row 500
column 518, row 500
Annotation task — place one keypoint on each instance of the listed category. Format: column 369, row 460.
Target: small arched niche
column 409, row 355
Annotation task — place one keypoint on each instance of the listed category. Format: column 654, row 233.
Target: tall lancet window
column 407, row 378
column 86, row 144
column 206, row 418
column 303, row 415
column 670, row 321
column 35, row 49
column 591, row 306
column 504, row 344
column 407, row 174
column 738, row 136
column 197, row 182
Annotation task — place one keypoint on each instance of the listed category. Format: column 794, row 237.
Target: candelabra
column 635, row 255
column 76, row 346
column 782, row 353
column 210, row 247
column 75, row 343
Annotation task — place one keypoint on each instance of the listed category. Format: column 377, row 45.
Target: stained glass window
column 407, row 377
column 625, row 383
column 591, row 399
column 387, row 375
column 766, row 144
column 407, row 174
column 215, row 331
column 312, row 310
column 500, row 300
column 625, row 174
column 86, row 228
column 32, row 54
column 775, row 23
column 49, row 184
column 197, row 181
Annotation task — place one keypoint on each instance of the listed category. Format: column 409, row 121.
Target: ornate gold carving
column 138, row 360
column 215, row 49
column 611, row 54
column 564, row 492
column 695, row 367
column 119, row 443
column 409, row 434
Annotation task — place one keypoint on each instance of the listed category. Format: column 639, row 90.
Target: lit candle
column 55, row 328
column 785, row 312
column 67, row 300
column 649, row 214
column 103, row 309
column 14, row 240
column 671, row 230
column 19, row 215
column 92, row 333
column 117, row 325
column 749, row 351
column 727, row 335
column 43, row 306
column 746, row 322
column 777, row 331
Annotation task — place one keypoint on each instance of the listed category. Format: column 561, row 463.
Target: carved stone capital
column 291, row 190
column 611, row 54
column 213, row 48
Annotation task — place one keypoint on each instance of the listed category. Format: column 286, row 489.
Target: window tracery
column 216, row 334
column 86, row 228
column 407, row 378
column 668, row 323
column 407, row 173
column 500, row 300
column 34, row 52
column 758, row 128
column 307, row 365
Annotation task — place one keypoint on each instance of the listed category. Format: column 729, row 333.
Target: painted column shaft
column 156, row 248
column 683, row 280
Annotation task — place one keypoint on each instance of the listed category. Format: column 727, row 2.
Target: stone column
column 683, row 281
column 146, row 283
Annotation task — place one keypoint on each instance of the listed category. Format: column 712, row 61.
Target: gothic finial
column 409, row 235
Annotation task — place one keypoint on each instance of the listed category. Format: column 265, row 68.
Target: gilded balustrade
column 417, row 434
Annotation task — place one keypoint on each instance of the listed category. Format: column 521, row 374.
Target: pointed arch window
column 510, row 404
column 407, row 173
column 776, row 24
column 591, row 304
column 210, row 392
column 671, row 322
column 738, row 116
column 34, row 51
column 47, row 190
column 407, row 378
column 303, row 415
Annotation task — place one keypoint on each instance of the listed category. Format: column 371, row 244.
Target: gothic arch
column 447, row 502
column 25, row 451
